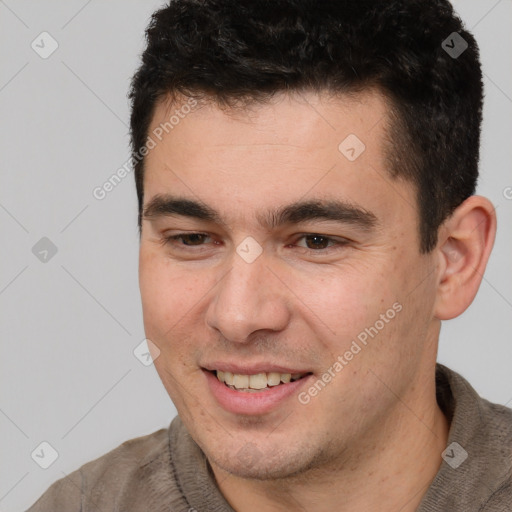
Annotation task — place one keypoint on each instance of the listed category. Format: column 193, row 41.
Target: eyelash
column 170, row 240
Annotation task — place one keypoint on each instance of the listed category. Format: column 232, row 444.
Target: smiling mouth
column 257, row 382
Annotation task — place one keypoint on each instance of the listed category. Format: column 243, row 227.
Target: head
column 318, row 161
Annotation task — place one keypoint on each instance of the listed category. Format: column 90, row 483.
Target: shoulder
column 496, row 440
column 491, row 429
column 108, row 478
column 501, row 499
column 472, row 416
column 477, row 467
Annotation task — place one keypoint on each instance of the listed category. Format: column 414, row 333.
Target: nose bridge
column 248, row 299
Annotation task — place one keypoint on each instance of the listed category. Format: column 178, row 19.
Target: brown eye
column 316, row 241
column 186, row 239
column 319, row 245
column 192, row 239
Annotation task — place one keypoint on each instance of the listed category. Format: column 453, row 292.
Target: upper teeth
column 256, row 381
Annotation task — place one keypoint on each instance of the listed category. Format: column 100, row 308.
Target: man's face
column 244, row 295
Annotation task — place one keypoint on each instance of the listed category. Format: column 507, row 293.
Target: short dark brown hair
column 416, row 52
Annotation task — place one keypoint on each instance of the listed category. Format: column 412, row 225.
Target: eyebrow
column 163, row 205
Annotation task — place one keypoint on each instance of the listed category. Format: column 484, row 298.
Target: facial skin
column 372, row 438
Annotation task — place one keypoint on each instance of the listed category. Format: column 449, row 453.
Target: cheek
column 167, row 294
column 344, row 301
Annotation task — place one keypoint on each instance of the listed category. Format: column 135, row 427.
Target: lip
column 253, row 404
column 252, row 369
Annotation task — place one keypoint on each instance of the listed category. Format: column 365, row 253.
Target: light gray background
column 69, row 326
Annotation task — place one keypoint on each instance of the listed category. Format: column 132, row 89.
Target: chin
column 254, row 463
column 261, row 471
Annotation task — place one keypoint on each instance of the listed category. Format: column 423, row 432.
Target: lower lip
column 261, row 402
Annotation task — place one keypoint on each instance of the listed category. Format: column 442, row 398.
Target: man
column 305, row 173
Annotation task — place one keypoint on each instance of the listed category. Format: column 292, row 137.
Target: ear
column 465, row 242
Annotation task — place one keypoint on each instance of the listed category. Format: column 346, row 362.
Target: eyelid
column 337, row 243
column 167, row 239
column 333, row 238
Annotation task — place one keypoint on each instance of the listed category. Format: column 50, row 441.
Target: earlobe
column 465, row 242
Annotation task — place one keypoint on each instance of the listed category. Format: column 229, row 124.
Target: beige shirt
column 166, row 470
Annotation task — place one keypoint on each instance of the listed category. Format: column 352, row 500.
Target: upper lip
column 252, row 369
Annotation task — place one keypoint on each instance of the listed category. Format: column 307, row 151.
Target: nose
column 249, row 298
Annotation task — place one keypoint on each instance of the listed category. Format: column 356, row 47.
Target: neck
column 390, row 469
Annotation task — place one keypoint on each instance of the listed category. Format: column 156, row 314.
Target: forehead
column 299, row 120
column 295, row 147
